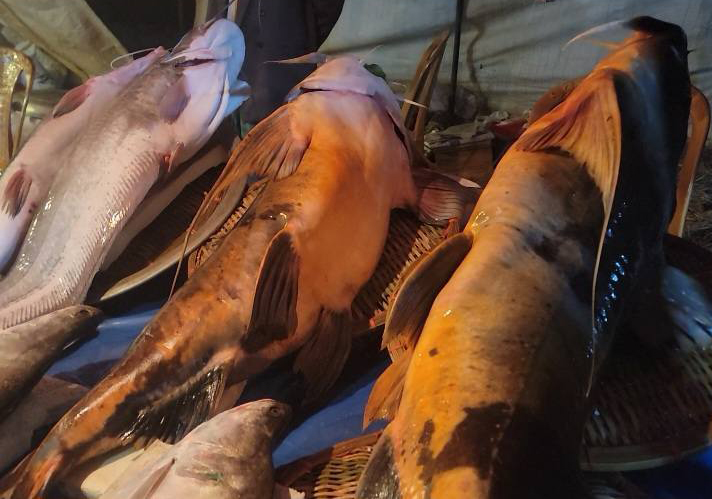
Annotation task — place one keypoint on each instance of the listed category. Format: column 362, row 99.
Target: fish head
column 269, row 416
column 209, row 59
column 217, row 40
column 346, row 73
column 654, row 58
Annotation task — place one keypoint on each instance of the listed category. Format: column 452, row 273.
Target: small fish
column 508, row 323
column 229, row 456
column 158, row 121
column 29, row 349
column 34, row 416
column 339, row 160
column 25, row 183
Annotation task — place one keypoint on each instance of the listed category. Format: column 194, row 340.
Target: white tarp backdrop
column 66, row 30
column 511, row 50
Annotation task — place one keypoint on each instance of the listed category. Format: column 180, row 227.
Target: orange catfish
column 507, row 323
column 283, row 280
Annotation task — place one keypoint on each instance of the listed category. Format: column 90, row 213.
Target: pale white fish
column 28, row 177
column 161, row 119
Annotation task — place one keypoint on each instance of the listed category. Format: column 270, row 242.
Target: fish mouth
column 192, row 62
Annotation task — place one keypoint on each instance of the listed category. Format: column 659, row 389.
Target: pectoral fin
column 16, row 191
column 274, row 309
column 147, row 484
column 177, row 413
column 412, row 302
column 174, row 101
column 273, row 148
column 385, row 396
column 72, row 100
column 443, row 198
column 322, row 358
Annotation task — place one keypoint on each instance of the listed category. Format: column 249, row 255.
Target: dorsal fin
column 72, row 99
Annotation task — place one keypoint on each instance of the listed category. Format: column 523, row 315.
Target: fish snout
column 216, row 40
column 278, row 415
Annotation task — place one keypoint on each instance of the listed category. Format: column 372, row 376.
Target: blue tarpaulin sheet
column 341, row 419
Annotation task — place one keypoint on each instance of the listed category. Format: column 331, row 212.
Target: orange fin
column 385, row 396
column 552, row 98
column 274, row 308
column 412, row 302
column 16, row 191
column 442, row 198
column 274, row 147
column 72, row 100
column 322, row 358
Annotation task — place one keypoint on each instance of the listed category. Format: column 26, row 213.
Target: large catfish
column 25, row 183
column 283, row 279
column 158, row 121
column 526, row 300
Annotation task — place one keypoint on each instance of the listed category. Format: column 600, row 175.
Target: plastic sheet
column 511, row 50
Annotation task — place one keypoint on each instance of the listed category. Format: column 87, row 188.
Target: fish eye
column 274, row 411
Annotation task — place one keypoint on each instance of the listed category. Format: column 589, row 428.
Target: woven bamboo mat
column 334, row 473
column 650, row 407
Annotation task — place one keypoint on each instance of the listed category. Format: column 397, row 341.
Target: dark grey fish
column 29, row 349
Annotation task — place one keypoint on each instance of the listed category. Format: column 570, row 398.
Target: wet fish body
column 276, row 284
column 27, row 180
column 229, row 456
column 29, row 349
column 161, row 119
column 524, row 304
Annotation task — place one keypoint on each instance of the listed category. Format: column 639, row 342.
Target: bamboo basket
column 334, row 474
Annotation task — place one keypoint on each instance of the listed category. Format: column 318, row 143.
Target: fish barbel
column 490, row 399
column 27, row 179
column 339, row 160
column 229, row 456
column 157, row 122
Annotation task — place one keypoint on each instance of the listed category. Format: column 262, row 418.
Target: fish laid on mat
column 229, row 456
column 507, row 323
column 28, row 350
column 157, row 122
column 280, row 281
column 26, row 181
column 34, row 416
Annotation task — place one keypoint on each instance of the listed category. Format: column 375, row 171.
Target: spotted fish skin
column 495, row 396
column 158, row 121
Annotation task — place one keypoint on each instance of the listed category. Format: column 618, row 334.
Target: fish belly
column 89, row 203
